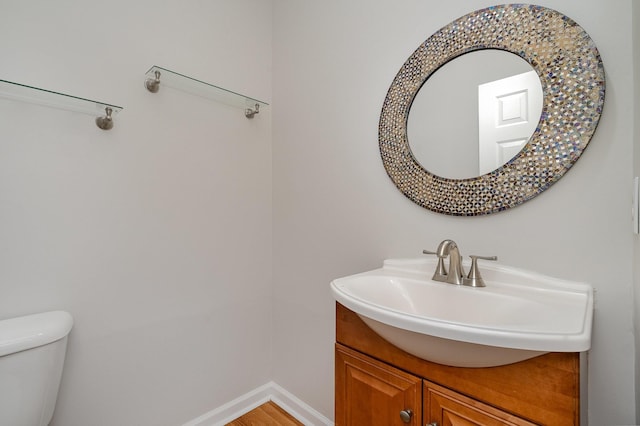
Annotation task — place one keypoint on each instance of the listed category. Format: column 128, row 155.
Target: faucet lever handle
column 441, row 271
column 475, row 256
column 474, row 279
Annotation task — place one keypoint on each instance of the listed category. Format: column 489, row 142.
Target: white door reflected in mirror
column 508, row 114
column 444, row 120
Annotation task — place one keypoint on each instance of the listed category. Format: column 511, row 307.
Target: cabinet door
column 371, row 393
column 444, row 407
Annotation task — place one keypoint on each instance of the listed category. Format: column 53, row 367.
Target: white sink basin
column 517, row 316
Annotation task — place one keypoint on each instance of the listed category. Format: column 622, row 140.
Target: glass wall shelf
column 158, row 76
column 22, row 92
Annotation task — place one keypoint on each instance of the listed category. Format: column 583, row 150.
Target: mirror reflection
column 474, row 114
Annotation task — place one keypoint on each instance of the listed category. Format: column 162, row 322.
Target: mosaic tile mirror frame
column 572, row 77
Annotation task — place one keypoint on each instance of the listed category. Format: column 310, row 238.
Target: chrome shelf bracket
column 153, row 84
column 106, row 122
column 250, row 112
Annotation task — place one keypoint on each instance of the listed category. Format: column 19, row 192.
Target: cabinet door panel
column 371, row 393
column 448, row 408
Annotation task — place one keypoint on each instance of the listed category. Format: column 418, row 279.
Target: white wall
column 156, row 235
column 636, row 172
column 336, row 212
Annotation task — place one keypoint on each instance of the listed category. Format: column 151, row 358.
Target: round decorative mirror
column 468, row 165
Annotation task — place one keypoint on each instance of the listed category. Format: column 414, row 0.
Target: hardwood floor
column 266, row 414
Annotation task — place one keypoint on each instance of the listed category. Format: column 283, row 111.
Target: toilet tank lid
column 30, row 331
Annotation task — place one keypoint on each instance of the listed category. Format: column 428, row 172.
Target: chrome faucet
column 455, row 274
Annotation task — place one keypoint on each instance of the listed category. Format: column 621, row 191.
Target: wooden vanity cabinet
column 375, row 381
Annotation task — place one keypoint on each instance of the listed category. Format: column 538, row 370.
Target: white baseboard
column 297, row 408
column 247, row 402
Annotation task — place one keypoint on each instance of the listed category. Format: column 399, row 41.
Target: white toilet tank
column 32, row 351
